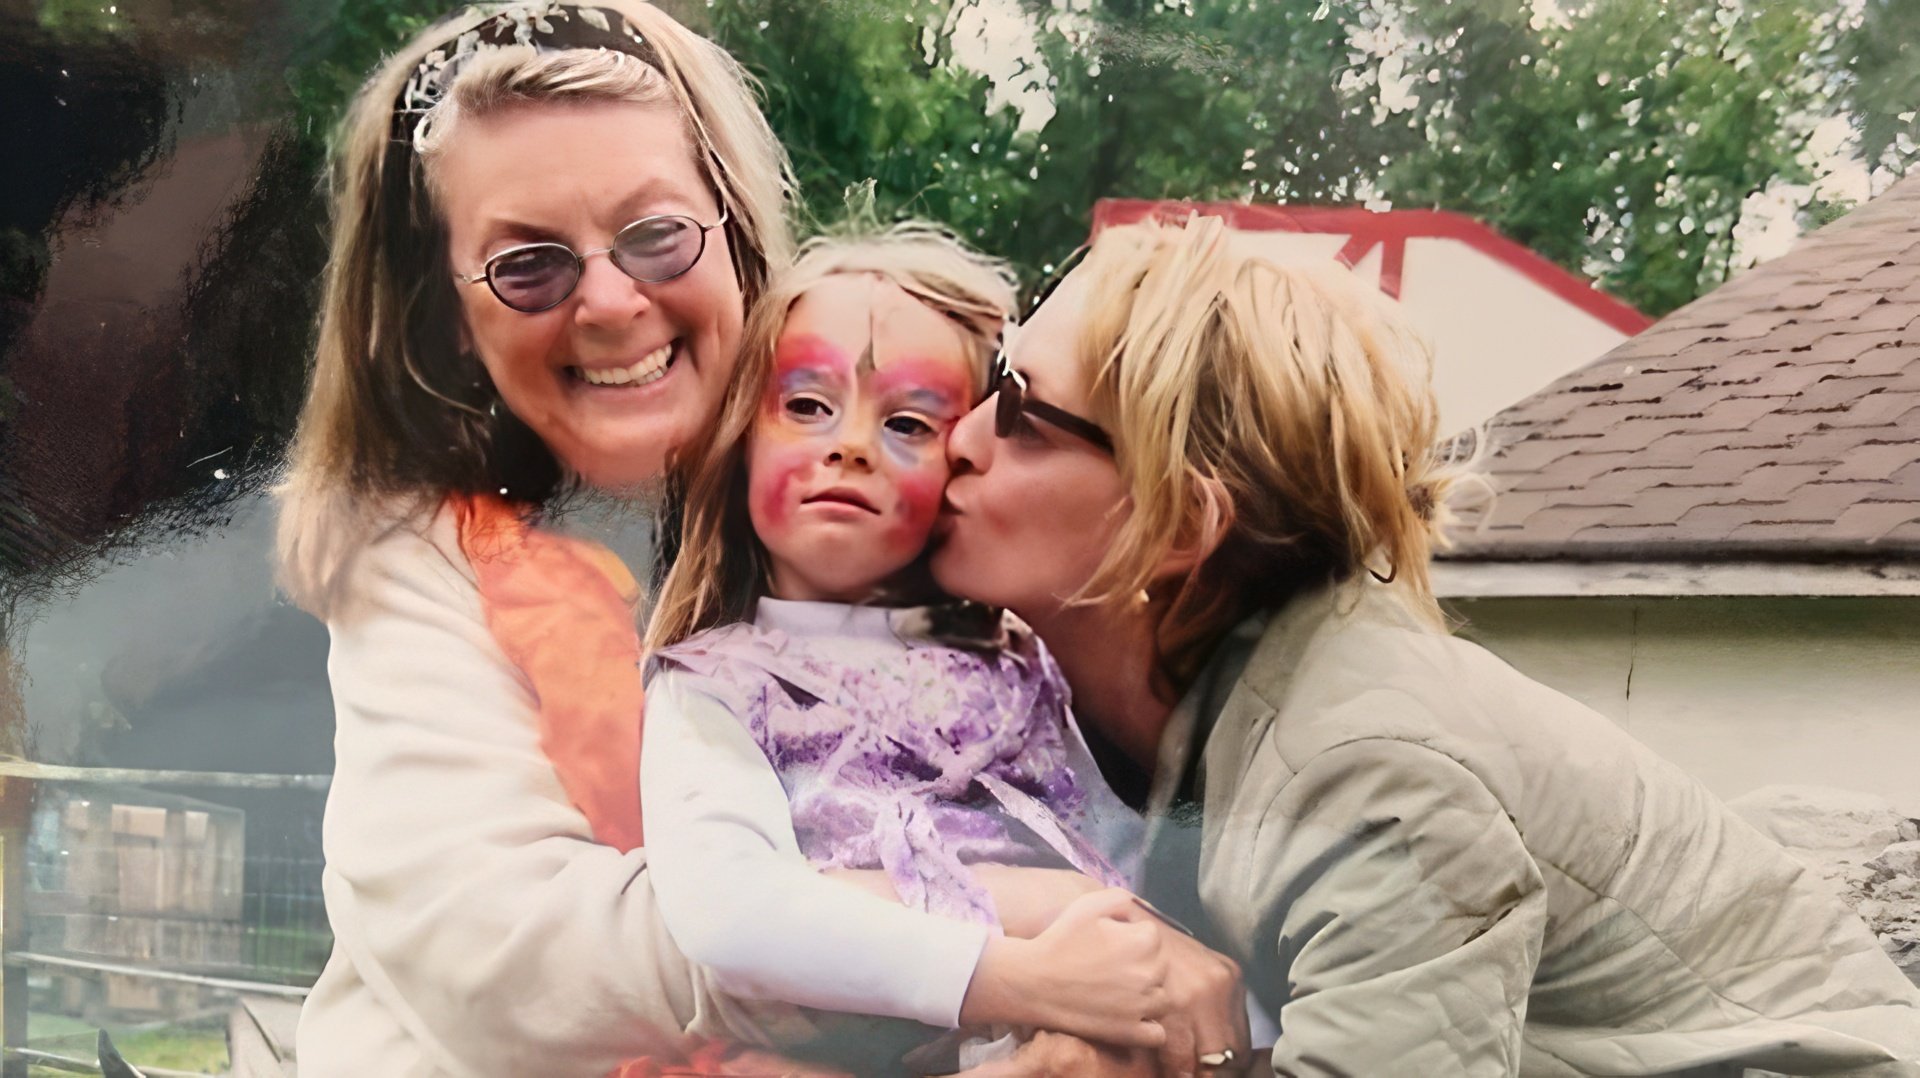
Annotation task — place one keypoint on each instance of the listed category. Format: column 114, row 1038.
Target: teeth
column 650, row 368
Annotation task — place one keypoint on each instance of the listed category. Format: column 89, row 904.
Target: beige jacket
column 1430, row 865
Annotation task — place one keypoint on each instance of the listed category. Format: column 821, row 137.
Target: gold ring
column 1217, row 1059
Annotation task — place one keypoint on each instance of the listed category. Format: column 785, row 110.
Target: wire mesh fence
column 140, row 884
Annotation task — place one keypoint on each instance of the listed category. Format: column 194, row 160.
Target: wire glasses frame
column 535, row 277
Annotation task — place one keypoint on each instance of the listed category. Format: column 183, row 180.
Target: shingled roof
column 1776, row 417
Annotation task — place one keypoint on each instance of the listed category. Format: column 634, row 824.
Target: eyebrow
column 797, row 377
column 650, row 194
column 502, row 233
column 809, row 354
column 932, row 400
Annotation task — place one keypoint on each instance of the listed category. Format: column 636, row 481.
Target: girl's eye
column 911, row 426
column 808, row 408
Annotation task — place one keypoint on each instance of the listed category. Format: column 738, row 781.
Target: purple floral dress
column 917, row 757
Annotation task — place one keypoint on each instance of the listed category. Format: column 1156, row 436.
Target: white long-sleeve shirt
column 478, row 928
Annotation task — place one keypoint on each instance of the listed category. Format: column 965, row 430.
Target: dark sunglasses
column 536, row 277
column 1009, row 390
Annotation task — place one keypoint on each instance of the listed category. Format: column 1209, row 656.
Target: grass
column 292, row 954
column 182, row 1048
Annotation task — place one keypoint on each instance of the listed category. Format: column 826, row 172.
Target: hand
column 1061, row 1055
column 1207, row 1009
column 1098, row 972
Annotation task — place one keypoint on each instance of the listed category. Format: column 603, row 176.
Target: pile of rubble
column 1862, row 845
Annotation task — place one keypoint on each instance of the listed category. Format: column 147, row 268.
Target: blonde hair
column 396, row 417
column 1281, row 418
column 720, row 570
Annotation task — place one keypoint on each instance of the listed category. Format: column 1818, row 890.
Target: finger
column 1145, row 1033
column 1214, row 1037
column 1234, row 994
column 1242, row 1037
column 1180, row 1055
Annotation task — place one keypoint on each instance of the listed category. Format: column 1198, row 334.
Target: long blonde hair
column 1281, row 418
column 397, row 417
column 720, row 570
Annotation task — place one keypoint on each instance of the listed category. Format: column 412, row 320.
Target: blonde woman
column 1209, row 484
column 549, row 221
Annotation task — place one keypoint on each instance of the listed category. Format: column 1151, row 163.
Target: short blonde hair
column 397, row 417
column 1282, row 418
column 720, row 569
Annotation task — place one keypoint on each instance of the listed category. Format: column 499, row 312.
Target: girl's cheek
column 920, row 492
column 772, row 481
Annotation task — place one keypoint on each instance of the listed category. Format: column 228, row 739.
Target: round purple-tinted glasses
column 535, row 277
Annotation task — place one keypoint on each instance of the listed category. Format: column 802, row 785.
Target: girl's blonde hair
column 1281, row 418
column 720, row 568
column 397, row 417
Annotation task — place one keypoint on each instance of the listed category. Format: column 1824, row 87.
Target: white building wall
column 1742, row 692
column 1497, row 335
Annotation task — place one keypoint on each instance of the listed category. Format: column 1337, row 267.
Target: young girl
column 800, row 717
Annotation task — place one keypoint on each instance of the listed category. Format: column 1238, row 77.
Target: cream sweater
column 478, row 928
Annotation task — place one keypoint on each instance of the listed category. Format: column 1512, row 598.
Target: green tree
column 1623, row 141
column 1229, row 100
column 1620, row 139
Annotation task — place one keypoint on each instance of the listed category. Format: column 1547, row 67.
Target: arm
column 465, row 891
column 738, row 896
column 1396, row 915
column 1026, row 899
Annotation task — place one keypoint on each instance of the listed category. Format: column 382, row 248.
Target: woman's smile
column 648, row 369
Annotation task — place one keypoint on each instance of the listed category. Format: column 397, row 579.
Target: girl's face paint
column 847, row 460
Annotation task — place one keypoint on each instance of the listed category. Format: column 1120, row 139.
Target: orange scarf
column 565, row 610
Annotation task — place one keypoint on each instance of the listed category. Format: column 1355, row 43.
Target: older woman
column 548, row 222
column 478, row 359
column 1208, row 483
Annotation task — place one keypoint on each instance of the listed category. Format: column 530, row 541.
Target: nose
column 851, row 451
column 970, row 442
column 606, row 298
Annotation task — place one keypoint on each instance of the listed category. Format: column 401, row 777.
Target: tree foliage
column 1624, row 141
column 1621, row 138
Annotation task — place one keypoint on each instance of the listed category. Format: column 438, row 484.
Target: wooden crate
column 144, row 878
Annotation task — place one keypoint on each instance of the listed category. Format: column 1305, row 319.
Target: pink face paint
column 783, row 452
column 940, row 377
column 793, row 453
column 804, row 351
column 920, row 493
column 771, row 485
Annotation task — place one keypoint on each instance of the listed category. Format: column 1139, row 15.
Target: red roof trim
column 1392, row 228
